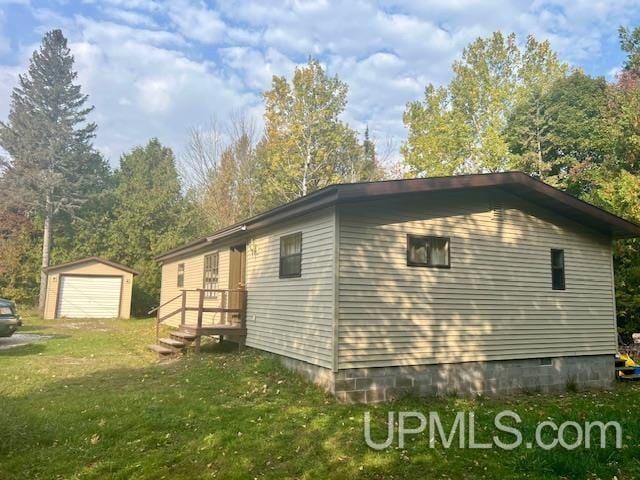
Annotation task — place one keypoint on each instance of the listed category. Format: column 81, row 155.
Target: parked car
column 9, row 318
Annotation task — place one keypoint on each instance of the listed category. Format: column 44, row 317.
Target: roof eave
column 599, row 219
column 80, row 261
column 301, row 206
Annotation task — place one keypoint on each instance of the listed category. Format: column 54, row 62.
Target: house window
column 557, row 269
column 180, row 275
column 210, row 281
column 428, row 251
column 291, row 255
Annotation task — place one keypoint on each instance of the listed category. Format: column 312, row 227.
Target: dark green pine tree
column 369, row 167
column 52, row 166
column 369, row 148
column 150, row 217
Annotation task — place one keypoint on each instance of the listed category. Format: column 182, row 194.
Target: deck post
column 199, row 325
column 184, row 306
column 242, row 294
column 223, row 305
column 243, row 307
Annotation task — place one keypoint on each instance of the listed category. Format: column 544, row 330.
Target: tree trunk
column 305, row 172
column 540, row 166
column 46, row 249
column 539, row 143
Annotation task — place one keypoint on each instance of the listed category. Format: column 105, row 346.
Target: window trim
column 428, row 237
column 180, row 276
column 280, row 257
column 562, row 269
column 204, row 275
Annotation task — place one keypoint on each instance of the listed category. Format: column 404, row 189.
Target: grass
column 91, row 403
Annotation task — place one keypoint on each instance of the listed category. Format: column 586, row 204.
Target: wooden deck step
column 177, row 346
column 160, row 349
column 634, row 377
column 189, row 336
column 172, row 342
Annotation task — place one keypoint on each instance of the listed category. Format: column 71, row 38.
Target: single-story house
column 473, row 284
column 90, row 287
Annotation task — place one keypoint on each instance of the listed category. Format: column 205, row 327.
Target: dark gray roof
column 517, row 183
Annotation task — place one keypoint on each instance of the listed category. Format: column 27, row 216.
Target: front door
column 237, row 267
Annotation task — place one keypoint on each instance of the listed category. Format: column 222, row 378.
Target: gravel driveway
column 21, row 339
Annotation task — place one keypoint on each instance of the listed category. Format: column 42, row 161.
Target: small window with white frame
column 180, row 280
column 210, row 278
column 291, row 255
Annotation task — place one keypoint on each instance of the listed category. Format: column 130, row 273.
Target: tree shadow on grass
column 24, row 350
column 28, row 327
column 188, row 419
column 230, row 414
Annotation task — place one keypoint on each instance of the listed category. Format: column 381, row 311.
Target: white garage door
column 89, row 297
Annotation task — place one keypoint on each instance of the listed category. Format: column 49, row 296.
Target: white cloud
column 130, row 17
column 5, row 42
column 144, row 5
column 156, row 67
column 8, row 80
column 142, row 90
column 113, row 34
column 256, row 68
column 196, row 21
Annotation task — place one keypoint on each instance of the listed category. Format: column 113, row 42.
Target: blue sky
column 160, row 68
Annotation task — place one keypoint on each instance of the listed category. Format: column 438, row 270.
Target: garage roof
column 516, row 183
column 53, row 268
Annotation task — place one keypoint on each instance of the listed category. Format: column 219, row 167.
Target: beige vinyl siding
column 193, row 279
column 495, row 302
column 293, row 316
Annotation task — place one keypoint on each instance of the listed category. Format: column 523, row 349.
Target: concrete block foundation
column 494, row 378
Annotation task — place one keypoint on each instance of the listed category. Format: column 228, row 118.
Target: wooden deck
column 214, row 329
column 232, row 305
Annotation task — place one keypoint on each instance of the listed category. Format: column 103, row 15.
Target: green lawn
column 92, row 403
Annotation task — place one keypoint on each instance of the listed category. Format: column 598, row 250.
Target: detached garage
column 91, row 287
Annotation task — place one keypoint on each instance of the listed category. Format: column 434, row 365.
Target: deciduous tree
column 462, row 128
column 527, row 127
column 630, row 44
column 223, row 170
column 438, row 139
column 306, row 146
column 19, row 259
column 570, row 126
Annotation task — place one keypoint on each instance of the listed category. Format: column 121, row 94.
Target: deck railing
column 230, row 304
